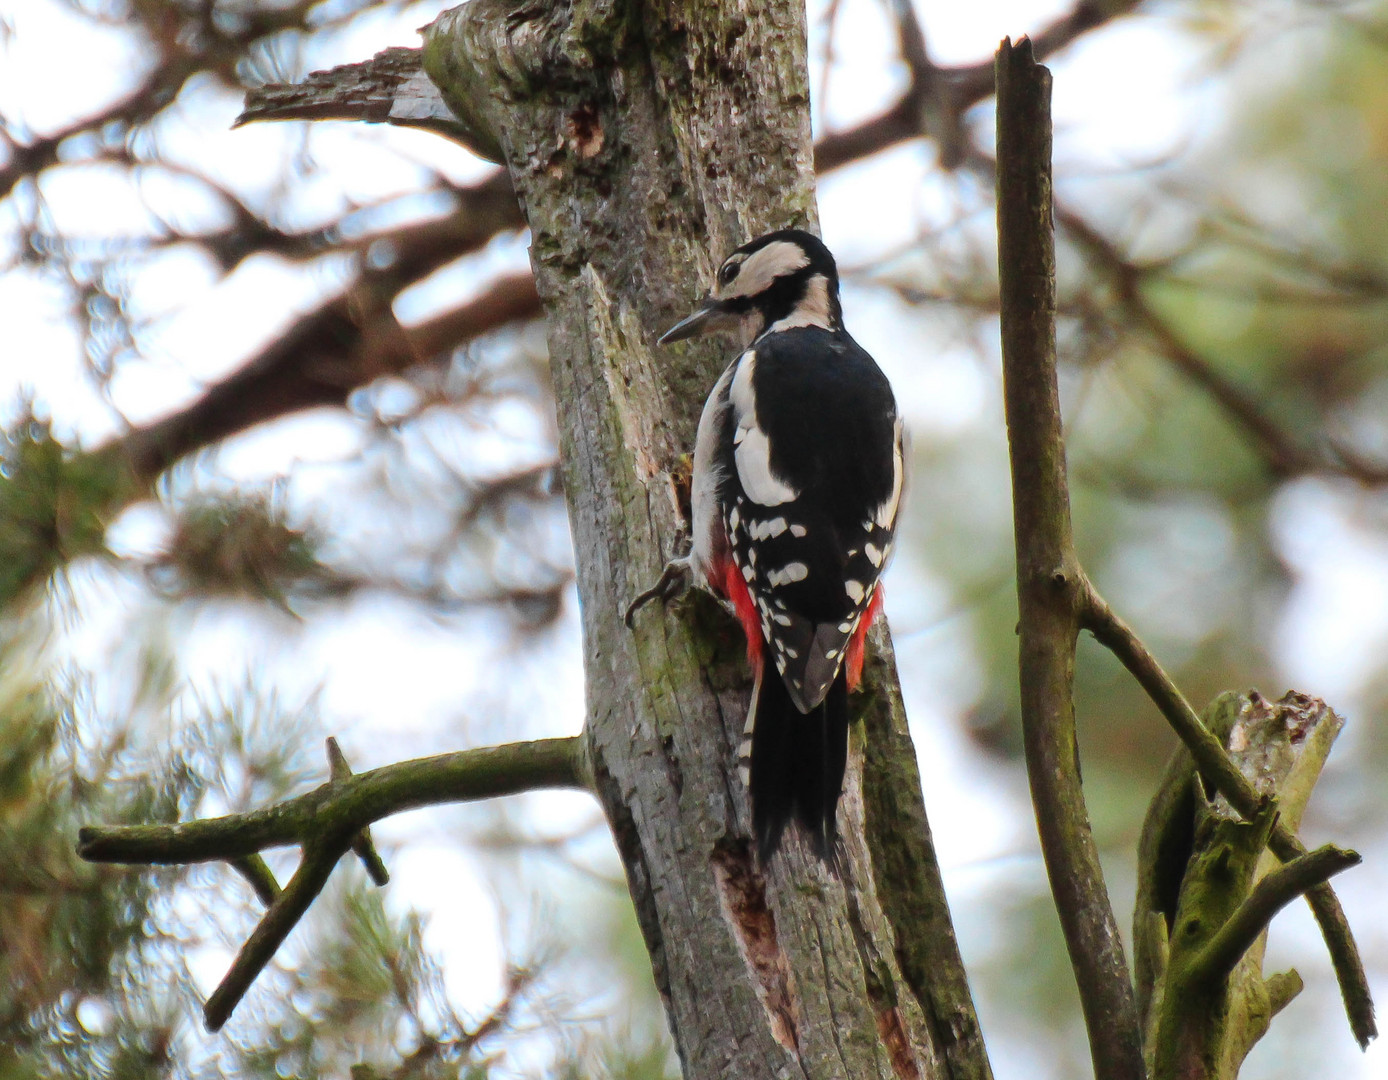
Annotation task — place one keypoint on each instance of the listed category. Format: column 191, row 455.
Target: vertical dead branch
column 1050, row 584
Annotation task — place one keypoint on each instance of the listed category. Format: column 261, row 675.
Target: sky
column 1125, row 95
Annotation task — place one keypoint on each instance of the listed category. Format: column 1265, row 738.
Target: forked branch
column 1223, row 776
column 327, row 823
column 1056, row 600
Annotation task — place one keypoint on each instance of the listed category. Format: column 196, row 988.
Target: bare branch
column 1284, row 456
column 261, row 878
column 348, row 804
column 362, row 846
column 328, row 822
column 937, row 98
column 390, row 88
column 320, row 361
column 1049, row 580
column 319, row 858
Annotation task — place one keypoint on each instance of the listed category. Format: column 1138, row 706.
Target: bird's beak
column 710, row 316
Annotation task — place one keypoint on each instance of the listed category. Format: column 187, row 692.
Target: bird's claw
column 673, row 581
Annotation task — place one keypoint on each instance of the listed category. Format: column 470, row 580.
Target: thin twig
column 1276, row 890
column 320, row 856
column 258, row 873
column 362, row 846
column 1223, row 775
column 1049, row 590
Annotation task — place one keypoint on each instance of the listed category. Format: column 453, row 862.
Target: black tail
column 797, row 763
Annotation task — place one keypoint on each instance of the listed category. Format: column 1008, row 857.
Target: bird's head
column 778, row 281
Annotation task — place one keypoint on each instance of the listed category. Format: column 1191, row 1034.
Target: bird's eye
column 727, row 272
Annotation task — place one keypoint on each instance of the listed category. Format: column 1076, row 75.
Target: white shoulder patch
column 886, row 513
column 751, row 448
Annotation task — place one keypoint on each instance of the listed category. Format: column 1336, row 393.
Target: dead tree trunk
column 644, row 142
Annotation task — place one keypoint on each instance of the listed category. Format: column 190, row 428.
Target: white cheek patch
column 764, row 266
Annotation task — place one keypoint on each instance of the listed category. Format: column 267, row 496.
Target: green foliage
column 75, row 937
column 236, row 545
column 55, row 504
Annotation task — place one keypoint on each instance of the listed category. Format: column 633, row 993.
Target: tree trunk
column 645, row 142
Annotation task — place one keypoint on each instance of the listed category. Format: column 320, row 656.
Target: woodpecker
column 798, row 470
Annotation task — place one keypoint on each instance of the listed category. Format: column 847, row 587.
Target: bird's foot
column 674, row 580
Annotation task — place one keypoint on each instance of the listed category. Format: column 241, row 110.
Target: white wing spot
column 733, row 518
column 846, row 627
column 783, row 620
column 796, row 571
column 873, row 554
column 780, row 664
column 794, row 654
column 797, row 530
column 774, row 527
column 831, row 654
column 748, row 573
column 854, row 589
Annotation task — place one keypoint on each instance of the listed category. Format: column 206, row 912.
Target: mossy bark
column 644, row 142
column 1199, row 861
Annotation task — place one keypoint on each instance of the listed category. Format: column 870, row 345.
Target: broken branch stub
column 1208, row 886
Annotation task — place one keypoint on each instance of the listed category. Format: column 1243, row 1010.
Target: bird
column 796, row 490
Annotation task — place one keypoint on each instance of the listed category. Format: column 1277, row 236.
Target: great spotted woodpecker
column 797, row 484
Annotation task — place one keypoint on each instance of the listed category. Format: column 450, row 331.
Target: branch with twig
column 1279, row 888
column 1056, row 600
column 1215, row 766
column 327, row 823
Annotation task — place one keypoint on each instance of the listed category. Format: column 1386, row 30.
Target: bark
column 1208, row 887
column 645, row 142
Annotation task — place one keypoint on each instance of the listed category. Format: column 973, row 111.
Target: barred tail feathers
column 796, row 762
